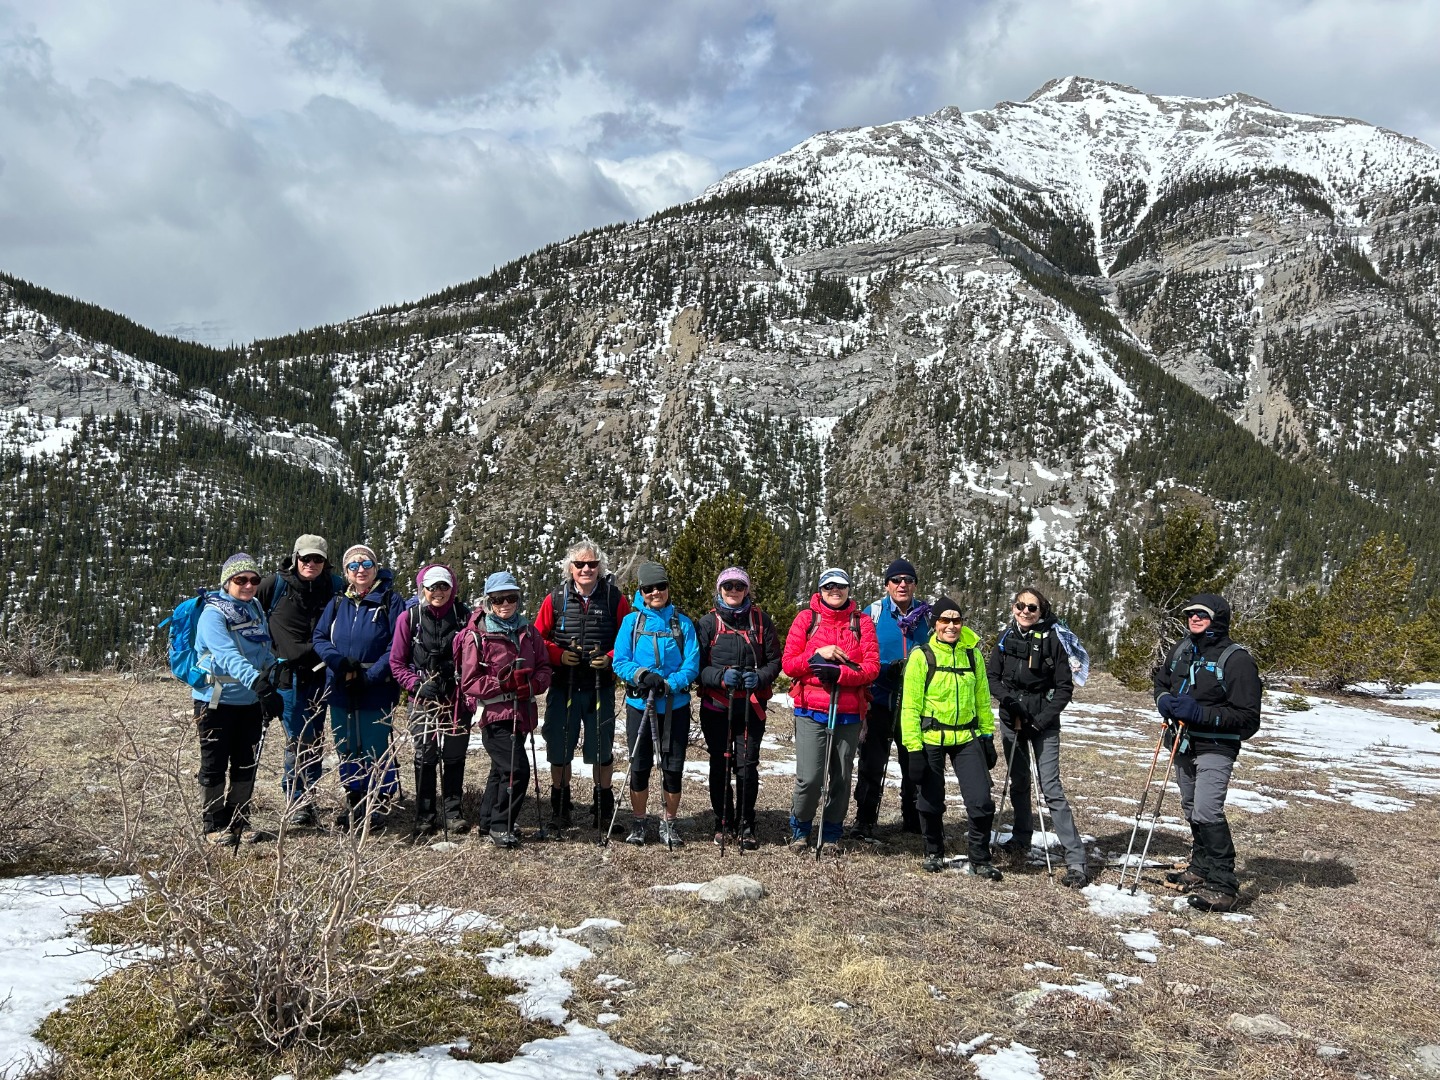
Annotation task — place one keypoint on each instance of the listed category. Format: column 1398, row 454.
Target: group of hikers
column 304, row 641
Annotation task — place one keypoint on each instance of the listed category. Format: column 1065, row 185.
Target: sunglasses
column 949, row 620
column 310, row 560
column 363, row 564
column 834, row 586
column 902, row 579
column 1196, row 613
column 585, row 564
column 1029, row 609
column 505, row 598
column 245, row 580
column 733, row 586
column 438, row 586
column 648, row 589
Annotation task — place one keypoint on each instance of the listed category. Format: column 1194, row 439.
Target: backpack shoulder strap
column 279, row 590
column 929, row 655
column 676, row 632
column 814, row 622
column 1230, row 650
column 855, row 625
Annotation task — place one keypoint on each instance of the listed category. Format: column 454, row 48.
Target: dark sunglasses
column 648, row 589
column 941, row 620
column 1029, row 609
column 585, row 564
column 363, row 564
column 733, row 586
column 438, row 586
column 310, row 559
column 245, row 579
column 1196, row 613
column 902, row 579
column 834, row 586
column 505, row 598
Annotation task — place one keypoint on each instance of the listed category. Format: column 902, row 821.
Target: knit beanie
column 359, row 551
column 943, row 605
column 239, row 563
column 901, row 566
column 651, row 573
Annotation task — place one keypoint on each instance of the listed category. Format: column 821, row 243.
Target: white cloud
column 265, row 165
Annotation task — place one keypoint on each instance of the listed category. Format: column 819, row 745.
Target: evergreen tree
column 725, row 532
column 1181, row 557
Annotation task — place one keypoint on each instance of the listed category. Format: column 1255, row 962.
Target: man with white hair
column 578, row 621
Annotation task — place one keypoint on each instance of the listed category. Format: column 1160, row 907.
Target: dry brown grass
column 1343, row 945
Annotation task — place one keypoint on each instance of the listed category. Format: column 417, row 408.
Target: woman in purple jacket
column 422, row 659
column 503, row 666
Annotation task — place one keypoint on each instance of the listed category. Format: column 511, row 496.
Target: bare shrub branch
column 33, row 646
column 23, row 818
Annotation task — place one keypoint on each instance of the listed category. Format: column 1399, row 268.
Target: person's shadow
column 1312, row 873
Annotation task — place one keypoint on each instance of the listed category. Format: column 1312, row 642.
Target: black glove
column 653, row 680
column 284, row 675
column 987, row 747
column 428, row 690
column 895, row 672
column 827, row 671
column 915, row 766
column 271, row 703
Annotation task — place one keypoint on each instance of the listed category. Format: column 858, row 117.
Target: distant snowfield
column 1358, row 755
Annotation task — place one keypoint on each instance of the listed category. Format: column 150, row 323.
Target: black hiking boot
column 1075, row 878
column 984, row 870
column 1207, row 898
column 504, row 838
column 934, row 862
column 748, row 842
column 604, row 807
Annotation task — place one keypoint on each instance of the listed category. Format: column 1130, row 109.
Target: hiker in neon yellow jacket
column 945, row 719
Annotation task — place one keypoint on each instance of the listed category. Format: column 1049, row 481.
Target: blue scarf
column 726, row 609
column 509, row 627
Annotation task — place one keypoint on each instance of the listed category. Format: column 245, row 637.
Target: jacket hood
column 1220, row 624
column 968, row 640
column 663, row 615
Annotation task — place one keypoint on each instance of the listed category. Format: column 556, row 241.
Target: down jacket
column 955, row 707
column 500, row 675
column 1230, row 706
column 360, row 628
column 832, row 627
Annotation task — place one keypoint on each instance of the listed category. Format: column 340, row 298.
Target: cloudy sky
column 226, row 169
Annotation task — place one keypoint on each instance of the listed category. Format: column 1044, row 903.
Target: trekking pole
column 729, row 765
column 630, row 763
column 1139, row 810
column 655, row 734
column 510, row 784
column 1005, row 783
column 540, row 833
column 830, row 716
column 1159, row 801
column 1040, row 806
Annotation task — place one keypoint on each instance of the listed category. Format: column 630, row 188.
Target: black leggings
column 674, row 737
column 747, row 731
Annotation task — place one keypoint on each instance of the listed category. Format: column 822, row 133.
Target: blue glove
column 1186, row 709
column 1166, row 704
column 731, row 679
column 750, row 680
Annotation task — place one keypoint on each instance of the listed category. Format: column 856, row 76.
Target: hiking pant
column 437, row 748
column 810, row 772
column 362, row 742
column 567, row 712
column 968, row 763
column 742, row 756
column 229, row 744
column 1045, row 745
column 304, row 724
column 509, row 776
column 882, row 727
column 1204, row 779
column 674, row 738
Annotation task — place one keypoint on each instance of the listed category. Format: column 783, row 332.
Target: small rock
column 1025, row 1000
column 445, row 845
column 678, row 957
column 1428, row 1059
column 1260, row 1026
column 596, row 936
column 729, row 888
column 1329, row 1051
column 1182, row 989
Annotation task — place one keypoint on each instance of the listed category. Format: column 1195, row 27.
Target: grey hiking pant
column 1204, row 779
column 810, row 765
column 1046, row 747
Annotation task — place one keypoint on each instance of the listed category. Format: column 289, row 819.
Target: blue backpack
column 182, row 623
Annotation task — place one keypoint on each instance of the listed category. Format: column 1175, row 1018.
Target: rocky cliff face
column 994, row 341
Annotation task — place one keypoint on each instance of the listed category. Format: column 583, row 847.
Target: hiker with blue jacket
column 900, row 625
column 232, row 644
column 1208, row 694
column 946, row 725
column 294, row 598
column 353, row 638
column 1029, row 673
column 657, row 655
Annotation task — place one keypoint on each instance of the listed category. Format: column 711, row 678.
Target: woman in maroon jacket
column 832, row 656
column 503, row 666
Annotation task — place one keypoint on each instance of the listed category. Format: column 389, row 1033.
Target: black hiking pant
column 747, row 730
column 229, row 744
column 882, row 728
column 437, row 750
column 968, row 763
column 509, row 776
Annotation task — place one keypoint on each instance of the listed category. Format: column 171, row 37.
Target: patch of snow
column 1110, row 902
column 1014, row 1062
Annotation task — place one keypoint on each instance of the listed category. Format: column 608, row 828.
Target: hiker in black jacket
column 293, row 598
column 1208, row 692
column 739, row 659
column 1030, row 681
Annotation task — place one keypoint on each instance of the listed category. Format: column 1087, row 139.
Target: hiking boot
column 1207, row 898
column 984, row 870
column 721, row 839
column 303, row 817
column 747, row 839
column 636, row 834
column 220, row 837
column 1075, row 878
column 670, row 833
column 560, row 812
column 1016, row 848
column 934, row 862
column 861, row 831
column 504, row 838
column 604, row 807
column 1184, row 880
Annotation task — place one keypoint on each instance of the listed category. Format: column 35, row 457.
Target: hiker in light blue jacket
column 232, row 643
column 656, row 652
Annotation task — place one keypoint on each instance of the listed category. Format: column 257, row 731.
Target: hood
column 663, row 615
column 290, row 571
column 1220, row 625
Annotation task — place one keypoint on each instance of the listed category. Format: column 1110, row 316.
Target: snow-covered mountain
column 998, row 341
